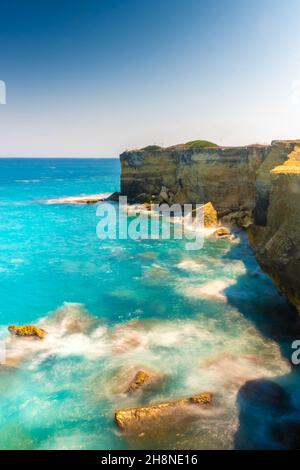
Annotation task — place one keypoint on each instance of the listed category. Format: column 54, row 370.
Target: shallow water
column 205, row 320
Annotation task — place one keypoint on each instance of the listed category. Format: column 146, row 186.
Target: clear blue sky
column 94, row 77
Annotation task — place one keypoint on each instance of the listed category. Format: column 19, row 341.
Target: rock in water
column 7, row 368
column 140, row 380
column 204, row 398
column 222, row 232
column 210, row 215
column 27, row 330
column 131, row 418
column 143, row 380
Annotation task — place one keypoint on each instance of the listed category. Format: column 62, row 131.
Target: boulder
column 131, row 418
column 27, row 330
column 163, row 195
column 241, row 218
column 263, row 392
column 222, row 232
column 210, row 215
column 143, row 380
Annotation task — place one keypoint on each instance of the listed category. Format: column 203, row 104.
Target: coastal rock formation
column 27, row 330
column 210, row 215
column 87, row 199
column 276, row 237
column 255, row 187
column 222, row 232
column 141, row 381
column 132, row 418
column 223, row 176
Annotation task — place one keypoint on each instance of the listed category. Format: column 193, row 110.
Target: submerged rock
column 143, row 416
column 7, row 368
column 264, row 393
column 143, row 380
column 27, row 330
column 69, row 319
column 222, row 232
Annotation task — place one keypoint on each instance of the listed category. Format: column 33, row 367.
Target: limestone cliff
column 275, row 235
column 224, row 176
column 261, row 181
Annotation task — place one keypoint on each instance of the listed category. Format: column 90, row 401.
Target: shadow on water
column 269, row 410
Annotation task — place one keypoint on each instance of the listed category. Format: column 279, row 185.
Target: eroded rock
column 222, row 232
column 27, row 331
column 132, row 418
column 276, row 238
column 143, row 380
column 210, row 215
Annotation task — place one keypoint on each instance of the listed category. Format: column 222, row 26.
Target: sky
column 95, row 77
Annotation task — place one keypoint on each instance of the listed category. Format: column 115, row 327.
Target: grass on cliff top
column 152, row 147
column 196, row 144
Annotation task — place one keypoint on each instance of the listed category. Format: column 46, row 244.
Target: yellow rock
column 210, row 215
column 27, row 330
column 140, row 380
column 133, row 417
column 222, row 232
column 204, row 398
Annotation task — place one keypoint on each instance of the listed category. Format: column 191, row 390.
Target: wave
column 35, row 180
column 211, row 290
column 191, row 265
column 83, row 356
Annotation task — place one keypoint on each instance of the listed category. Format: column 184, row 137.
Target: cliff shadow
column 269, row 417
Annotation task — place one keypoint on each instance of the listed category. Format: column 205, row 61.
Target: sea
column 202, row 320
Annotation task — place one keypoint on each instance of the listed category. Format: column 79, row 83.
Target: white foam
column 210, row 290
column 82, row 199
column 190, row 265
column 29, row 181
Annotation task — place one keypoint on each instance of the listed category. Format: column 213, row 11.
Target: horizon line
column 57, row 157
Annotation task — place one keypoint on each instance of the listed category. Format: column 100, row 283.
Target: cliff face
column 262, row 181
column 277, row 154
column 224, row 176
column 275, row 235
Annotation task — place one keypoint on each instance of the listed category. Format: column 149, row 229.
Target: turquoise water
column 205, row 320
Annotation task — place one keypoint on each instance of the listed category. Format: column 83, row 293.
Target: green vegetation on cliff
column 196, row 144
column 152, row 148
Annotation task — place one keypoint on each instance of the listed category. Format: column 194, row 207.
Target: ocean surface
column 204, row 320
